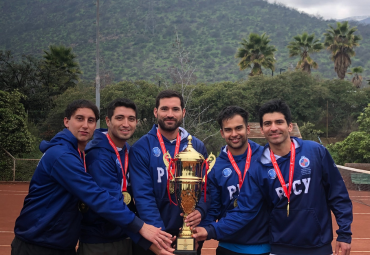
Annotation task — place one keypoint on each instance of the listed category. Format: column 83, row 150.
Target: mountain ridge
column 137, row 36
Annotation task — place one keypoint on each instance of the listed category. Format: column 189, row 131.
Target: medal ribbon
column 83, row 153
column 124, row 171
column 291, row 172
column 205, row 162
column 236, row 168
column 171, row 162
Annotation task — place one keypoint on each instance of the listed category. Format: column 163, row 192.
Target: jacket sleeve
column 142, row 188
column 102, row 172
column 337, row 196
column 250, row 202
column 69, row 173
column 213, row 194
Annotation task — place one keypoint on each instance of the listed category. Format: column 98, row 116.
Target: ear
column 107, row 121
column 183, row 112
column 66, row 122
column 248, row 130
column 222, row 133
column 290, row 127
column 262, row 131
column 155, row 111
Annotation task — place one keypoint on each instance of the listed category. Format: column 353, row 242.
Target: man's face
column 275, row 128
column 169, row 113
column 81, row 124
column 235, row 132
column 122, row 125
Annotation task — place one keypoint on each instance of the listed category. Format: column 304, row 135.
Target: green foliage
column 256, row 53
column 309, row 132
column 364, row 120
column 136, row 37
column 302, row 46
column 341, row 41
column 356, row 147
column 14, row 136
column 39, row 80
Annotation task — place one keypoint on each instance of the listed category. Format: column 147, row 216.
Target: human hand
column 193, row 219
column 200, row 234
column 159, row 238
column 162, row 251
column 342, row 246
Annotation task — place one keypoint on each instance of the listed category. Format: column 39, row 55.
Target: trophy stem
column 185, row 231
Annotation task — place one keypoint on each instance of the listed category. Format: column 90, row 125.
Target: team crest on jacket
column 118, row 163
column 226, row 172
column 304, row 162
column 271, row 173
column 156, row 151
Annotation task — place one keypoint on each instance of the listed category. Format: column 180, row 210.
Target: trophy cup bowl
column 188, row 189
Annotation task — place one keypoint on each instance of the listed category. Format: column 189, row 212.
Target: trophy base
column 185, row 246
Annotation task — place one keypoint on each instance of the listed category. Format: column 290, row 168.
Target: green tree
column 256, row 53
column 14, row 135
column 356, row 147
column 357, row 78
column 341, row 41
column 302, row 46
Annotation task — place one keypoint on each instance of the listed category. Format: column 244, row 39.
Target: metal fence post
column 13, row 163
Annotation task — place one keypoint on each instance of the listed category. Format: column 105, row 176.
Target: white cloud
column 330, row 9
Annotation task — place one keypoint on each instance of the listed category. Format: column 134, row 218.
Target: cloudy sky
column 330, row 9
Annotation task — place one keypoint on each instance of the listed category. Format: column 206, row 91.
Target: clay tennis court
column 13, row 194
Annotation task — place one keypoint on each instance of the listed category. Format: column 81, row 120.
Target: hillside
column 137, row 36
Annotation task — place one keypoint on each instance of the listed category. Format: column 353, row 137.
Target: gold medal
column 82, row 207
column 236, row 202
column 287, row 214
column 126, row 197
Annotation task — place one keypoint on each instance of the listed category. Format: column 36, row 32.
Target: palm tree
column 256, row 53
column 356, row 79
column 63, row 58
column 341, row 41
column 302, row 46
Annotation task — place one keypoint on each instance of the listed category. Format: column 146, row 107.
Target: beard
column 168, row 128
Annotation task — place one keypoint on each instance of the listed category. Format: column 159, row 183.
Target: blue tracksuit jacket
column 50, row 216
column 103, row 165
column 148, row 175
column 317, row 189
column 223, row 186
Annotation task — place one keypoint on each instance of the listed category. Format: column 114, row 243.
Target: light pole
column 97, row 79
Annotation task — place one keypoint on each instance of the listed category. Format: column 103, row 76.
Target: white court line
column 6, row 231
column 362, row 213
column 14, row 190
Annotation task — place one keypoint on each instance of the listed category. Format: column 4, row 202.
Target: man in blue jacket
column 107, row 162
column 50, row 221
column 148, row 171
column 227, row 178
column 299, row 180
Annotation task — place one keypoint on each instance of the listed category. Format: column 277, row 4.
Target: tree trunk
column 342, row 62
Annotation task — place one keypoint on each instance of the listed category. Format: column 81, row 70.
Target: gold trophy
column 188, row 189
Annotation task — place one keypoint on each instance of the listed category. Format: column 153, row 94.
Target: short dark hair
column 168, row 94
column 120, row 102
column 229, row 112
column 81, row 103
column 275, row 105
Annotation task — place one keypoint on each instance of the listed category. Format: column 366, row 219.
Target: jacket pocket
column 301, row 228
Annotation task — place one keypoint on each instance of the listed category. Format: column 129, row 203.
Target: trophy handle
column 211, row 162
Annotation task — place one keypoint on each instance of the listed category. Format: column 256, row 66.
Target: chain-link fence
column 16, row 169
